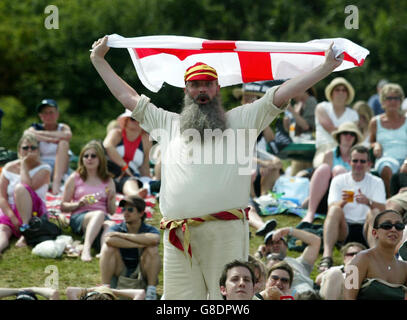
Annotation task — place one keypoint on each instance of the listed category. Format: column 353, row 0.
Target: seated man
column 350, row 217
column 275, row 249
column 120, row 253
column 237, row 281
column 54, row 140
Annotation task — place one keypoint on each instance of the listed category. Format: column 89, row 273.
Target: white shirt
column 371, row 186
column 324, row 137
column 15, row 178
column 195, row 189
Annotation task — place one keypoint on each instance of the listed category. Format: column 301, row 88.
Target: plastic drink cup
column 350, row 193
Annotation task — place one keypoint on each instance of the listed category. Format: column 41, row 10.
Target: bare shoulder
column 13, row 166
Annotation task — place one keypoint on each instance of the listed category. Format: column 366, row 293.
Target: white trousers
column 213, row 244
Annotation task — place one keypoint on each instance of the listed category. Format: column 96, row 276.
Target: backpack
column 40, row 229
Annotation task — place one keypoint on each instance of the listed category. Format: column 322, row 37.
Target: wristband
column 290, row 233
column 125, row 167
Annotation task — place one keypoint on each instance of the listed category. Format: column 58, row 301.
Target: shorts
column 355, row 234
column 392, row 163
column 38, row 205
column 76, row 222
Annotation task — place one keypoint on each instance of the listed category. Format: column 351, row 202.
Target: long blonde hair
column 102, row 171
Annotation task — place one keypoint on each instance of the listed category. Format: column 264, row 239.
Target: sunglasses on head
column 91, row 155
column 129, row 209
column 359, row 160
column 392, row 98
column 33, row 148
column 351, row 254
column 388, row 225
column 282, row 279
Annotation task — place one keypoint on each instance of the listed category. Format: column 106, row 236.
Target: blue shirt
column 374, row 103
column 130, row 256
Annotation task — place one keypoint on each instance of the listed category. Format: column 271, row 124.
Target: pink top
column 99, row 195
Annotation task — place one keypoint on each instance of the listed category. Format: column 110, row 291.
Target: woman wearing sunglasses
column 128, row 148
column 336, row 161
column 376, row 273
column 23, row 186
column 90, row 195
column 388, row 134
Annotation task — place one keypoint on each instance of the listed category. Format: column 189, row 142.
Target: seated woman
column 128, row 148
column 376, row 271
column 336, row 161
column 23, row 186
column 329, row 115
column 388, row 134
column 90, row 195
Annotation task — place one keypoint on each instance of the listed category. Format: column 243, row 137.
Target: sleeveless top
column 15, row 178
column 99, row 193
column 393, row 141
column 338, row 161
column 138, row 156
column 48, row 150
column 322, row 136
column 378, row 289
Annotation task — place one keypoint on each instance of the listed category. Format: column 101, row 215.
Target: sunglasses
column 129, row 209
column 26, row 148
column 282, row 279
column 392, row 98
column 351, row 254
column 358, row 160
column 349, row 132
column 387, row 226
column 91, row 155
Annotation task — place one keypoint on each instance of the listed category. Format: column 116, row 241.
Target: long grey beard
column 201, row 117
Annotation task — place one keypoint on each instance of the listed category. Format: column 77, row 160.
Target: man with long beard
column 203, row 200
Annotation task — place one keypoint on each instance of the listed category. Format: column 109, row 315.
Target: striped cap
column 200, row 71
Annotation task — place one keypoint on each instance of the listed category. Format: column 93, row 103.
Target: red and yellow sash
column 172, row 225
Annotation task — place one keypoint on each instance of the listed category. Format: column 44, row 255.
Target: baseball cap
column 269, row 236
column 134, row 201
column 47, row 102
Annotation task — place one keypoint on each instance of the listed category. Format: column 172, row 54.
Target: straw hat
column 121, row 119
column 336, row 82
column 348, row 127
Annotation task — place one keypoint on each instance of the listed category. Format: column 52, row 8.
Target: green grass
column 19, row 268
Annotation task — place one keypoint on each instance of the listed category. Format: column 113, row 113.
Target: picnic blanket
column 53, row 203
column 275, row 203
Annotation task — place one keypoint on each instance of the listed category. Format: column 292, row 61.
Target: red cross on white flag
column 160, row 59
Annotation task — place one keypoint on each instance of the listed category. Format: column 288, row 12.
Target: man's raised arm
column 126, row 95
column 300, row 84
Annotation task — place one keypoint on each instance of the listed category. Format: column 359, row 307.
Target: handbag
column 134, row 281
column 40, row 229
